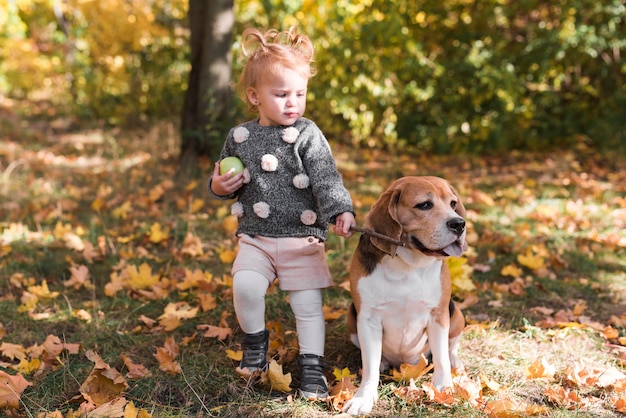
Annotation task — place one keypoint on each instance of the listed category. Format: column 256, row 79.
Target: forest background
column 114, row 268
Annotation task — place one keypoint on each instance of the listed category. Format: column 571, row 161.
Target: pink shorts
column 298, row 263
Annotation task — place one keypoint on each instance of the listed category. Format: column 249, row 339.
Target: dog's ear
column 383, row 218
column 460, row 210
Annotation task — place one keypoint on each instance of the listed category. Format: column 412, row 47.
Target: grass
column 568, row 208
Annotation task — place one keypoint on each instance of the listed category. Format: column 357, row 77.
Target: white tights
column 249, row 289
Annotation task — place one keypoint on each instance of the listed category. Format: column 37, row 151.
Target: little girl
column 288, row 194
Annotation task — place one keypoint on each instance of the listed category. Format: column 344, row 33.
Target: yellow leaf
column 121, row 212
column 227, row 256
column 533, row 262
column 196, row 205
column 28, row 367
column 42, row 291
column 234, row 355
column 341, row 373
column 191, row 186
column 279, row 381
column 29, row 302
column 180, row 309
column 142, row 278
column 230, row 224
column 157, row 234
column 82, row 315
column 97, row 204
column 460, row 273
column 511, row 270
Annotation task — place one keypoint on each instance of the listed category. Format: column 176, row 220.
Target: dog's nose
column 456, row 225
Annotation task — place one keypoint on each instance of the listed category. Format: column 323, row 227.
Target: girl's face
column 280, row 98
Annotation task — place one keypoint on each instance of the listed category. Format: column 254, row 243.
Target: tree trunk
column 206, row 114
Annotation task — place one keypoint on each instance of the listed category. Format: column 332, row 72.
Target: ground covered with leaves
column 116, row 294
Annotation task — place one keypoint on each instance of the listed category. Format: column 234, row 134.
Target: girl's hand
column 343, row 223
column 226, row 184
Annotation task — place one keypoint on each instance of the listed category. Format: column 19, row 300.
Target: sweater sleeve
column 326, row 183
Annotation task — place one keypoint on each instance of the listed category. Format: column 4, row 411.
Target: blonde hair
column 270, row 51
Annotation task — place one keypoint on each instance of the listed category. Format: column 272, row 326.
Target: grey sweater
column 292, row 187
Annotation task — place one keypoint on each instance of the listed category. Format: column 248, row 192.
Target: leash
column 377, row 235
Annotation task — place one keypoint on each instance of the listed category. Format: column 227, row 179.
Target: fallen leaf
column 104, row 384
column 412, row 371
column 540, row 368
column 278, row 381
column 11, row 389
column 135, row 371
column 211, row 331
column 166, row 356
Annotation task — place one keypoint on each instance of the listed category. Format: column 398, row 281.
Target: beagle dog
column 400, row 284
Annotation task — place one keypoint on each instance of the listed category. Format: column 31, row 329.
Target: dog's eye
column 424, row 205
column 453, row 204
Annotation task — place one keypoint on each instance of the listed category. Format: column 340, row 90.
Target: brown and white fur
column 401, row 293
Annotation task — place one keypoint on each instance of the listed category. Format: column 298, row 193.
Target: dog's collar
column 378, row 235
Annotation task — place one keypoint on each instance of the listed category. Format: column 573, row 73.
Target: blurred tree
column 206, row 113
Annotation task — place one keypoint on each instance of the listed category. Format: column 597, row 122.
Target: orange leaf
column 332, row 313
column 467, row 389
column 221, row 333
column 80, row 277
column 445, row 397
column 11, row 388
column 104, row 384
column 540, row 368
column 620, row 404
column 207, row 301
column 135, row 371
column 408, row 371
column 166, row 357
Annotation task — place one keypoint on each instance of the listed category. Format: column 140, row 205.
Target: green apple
column 230, row 163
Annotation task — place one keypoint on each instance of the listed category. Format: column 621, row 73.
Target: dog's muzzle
column 455, row 248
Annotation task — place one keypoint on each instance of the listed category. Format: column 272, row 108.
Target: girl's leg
column 249, row 289
column 307, row 308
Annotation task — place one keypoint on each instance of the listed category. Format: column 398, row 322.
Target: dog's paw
column 362, row 402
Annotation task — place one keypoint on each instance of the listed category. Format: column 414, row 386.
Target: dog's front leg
column 438, row 343
column 370, row 332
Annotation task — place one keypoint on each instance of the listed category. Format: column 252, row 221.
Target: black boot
column 254, row 347
column 313, row 384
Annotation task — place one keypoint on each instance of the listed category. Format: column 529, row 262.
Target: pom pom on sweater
column 290, row 135
column 308, row 217
column 236, row 209
column 261, row 209
column 269, row 162
column 240, row 134
column 301, row 181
